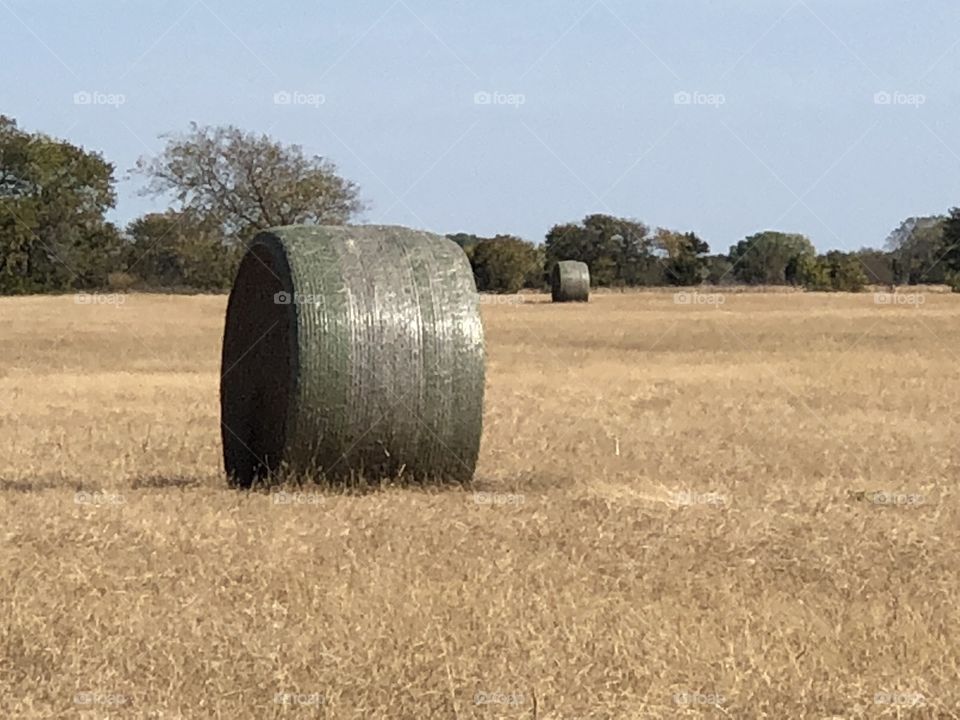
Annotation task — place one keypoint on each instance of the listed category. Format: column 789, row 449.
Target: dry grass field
column 745, row 510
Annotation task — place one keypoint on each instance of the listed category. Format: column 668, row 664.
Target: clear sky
column 721, row 117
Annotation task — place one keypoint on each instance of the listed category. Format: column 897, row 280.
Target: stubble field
column 681, row 510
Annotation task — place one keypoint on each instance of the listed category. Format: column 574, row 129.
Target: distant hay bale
column 570, row 281
column 352, row 351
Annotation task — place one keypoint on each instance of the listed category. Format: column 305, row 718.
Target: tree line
column 224, row 185
column 626, row 253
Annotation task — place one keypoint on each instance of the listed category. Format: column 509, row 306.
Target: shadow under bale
column 162, row 481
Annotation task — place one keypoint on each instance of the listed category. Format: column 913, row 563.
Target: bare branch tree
column 248, row 182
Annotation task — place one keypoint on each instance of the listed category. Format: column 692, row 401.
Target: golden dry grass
column 674, row 517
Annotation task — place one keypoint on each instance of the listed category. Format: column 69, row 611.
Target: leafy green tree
column 505, row 264
column 877, row 266
column 178, row 249
column 813, row 273
column 618, row 251
column 950, row 242
column 718, row 270
column 684, row 262
column 845, row 271
column 248, row 182
column 839, row 271
column 53, row 201
column 468, row 242
column 537, row 279
column 917, row 249
column 770, row 258
column 465, row 240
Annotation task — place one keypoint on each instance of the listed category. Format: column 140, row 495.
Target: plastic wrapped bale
column 352, row 352
column 570, row 281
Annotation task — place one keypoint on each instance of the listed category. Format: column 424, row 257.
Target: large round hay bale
column 570, row 281
column 352, row 352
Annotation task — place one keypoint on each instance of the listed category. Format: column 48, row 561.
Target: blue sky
column 835, row 119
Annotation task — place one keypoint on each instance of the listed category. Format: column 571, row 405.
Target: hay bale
column 570, row 281
column 352, row 351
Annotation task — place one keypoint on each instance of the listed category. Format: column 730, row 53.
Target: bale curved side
column 570, row 281
column 352, row 351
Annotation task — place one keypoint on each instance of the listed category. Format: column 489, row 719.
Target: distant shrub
column 813, row 274
column 179, row 250
column 837, row 271
column 719, row 270
column 505, row 264
column 845, row 271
